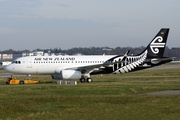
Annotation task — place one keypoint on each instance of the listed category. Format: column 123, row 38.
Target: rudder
column 157, row 46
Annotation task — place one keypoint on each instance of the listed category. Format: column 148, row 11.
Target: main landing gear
column 85, row 80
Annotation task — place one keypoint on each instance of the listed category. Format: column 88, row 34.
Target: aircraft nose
column 8, row 68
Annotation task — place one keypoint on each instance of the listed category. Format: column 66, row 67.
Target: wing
column 90, row 68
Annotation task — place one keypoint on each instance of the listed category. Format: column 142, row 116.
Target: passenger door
column 29, row 63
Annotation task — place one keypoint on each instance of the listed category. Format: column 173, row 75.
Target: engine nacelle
column 155, row 61
column 67, row 74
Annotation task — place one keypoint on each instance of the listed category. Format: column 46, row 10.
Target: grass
column 108, row 97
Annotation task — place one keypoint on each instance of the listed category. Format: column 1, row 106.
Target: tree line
column 170, row 52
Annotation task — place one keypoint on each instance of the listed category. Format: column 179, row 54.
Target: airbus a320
column 82, row 67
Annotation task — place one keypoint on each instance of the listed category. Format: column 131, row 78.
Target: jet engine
column 67, row 74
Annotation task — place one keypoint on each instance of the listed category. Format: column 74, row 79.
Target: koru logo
column 156, row 44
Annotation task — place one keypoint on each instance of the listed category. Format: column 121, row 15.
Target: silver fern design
column 156, row 44
column 130, row 63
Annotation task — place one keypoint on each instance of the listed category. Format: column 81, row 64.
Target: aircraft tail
column 156, row 47
column 150, row 57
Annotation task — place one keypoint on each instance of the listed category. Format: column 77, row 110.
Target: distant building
column 107, row 49
column 6, row 56
column 10, row 57
column 38, row 53
column 78, row 54
column 27, row 54
column 46, row 54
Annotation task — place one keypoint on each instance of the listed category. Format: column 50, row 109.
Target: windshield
column 16, row 62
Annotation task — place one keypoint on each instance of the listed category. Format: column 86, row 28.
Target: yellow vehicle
column 13, row 80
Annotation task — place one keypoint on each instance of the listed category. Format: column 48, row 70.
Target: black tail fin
column 157, row 46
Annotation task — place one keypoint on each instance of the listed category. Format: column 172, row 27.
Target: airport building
column 6, row 56
column 10, row 57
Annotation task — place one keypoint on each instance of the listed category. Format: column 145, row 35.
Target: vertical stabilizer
column 157, row 46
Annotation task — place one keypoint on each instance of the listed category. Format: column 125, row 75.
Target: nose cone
column 9, row 68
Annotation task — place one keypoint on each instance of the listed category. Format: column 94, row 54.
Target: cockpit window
column 16, row 62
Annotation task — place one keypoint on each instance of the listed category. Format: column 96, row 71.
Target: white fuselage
column 54, row 64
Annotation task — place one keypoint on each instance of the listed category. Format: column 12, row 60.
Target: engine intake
column 67, row 74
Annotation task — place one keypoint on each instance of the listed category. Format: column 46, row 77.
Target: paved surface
column 165, row 66
column 169, row 92
column 9, row 74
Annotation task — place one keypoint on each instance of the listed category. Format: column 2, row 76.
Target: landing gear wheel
column 21, row 82
column 82, row 80
column 89, row 80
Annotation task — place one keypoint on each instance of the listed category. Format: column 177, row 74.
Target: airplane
column 82, row 67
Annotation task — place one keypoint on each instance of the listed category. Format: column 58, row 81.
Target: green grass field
column 108, row 97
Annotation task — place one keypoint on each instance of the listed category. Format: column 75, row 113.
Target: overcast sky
column 65, row 24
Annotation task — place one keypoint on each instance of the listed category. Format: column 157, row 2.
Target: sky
column 66, row 24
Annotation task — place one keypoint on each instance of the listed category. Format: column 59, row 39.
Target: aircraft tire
column 82, row 80
column 21, row 82
column 89, row 80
